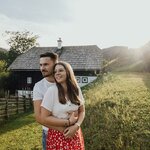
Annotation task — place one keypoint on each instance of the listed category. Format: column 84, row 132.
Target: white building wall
column 84, row 80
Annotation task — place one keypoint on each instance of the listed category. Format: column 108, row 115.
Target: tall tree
column 3, row 55
column 19, row 43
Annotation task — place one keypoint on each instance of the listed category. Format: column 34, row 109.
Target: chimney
column 59, row 41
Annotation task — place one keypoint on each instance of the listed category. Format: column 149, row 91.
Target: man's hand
column 69, row 132
column 73, row 118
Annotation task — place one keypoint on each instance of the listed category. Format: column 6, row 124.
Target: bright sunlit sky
column 104, row 23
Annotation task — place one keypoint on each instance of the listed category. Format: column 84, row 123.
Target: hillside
column 117, row 117
column 120, row 58
column 146, row 55
column 3, row 50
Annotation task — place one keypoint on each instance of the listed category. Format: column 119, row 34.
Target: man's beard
column 48, row 74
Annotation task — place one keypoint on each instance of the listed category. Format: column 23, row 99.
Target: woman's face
column 60, row 74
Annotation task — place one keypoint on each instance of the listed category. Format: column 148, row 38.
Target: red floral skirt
column 57, row 141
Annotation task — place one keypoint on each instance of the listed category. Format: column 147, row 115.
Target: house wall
column 25, row 80
column 85, row 77
column 84, row 80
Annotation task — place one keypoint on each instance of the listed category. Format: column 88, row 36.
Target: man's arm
column 37, row 113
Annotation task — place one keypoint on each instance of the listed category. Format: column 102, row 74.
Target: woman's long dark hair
column 72, row 87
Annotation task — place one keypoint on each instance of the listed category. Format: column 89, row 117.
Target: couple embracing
column 59, row 105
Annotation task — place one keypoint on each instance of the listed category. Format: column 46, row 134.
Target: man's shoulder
column 39, row 82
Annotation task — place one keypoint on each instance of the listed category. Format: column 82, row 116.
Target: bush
column 3, row 82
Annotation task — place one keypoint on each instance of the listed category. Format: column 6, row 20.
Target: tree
column 3, row 65
column 19, row 43
column 3, row 55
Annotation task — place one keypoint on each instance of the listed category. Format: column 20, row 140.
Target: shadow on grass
column 17, row 121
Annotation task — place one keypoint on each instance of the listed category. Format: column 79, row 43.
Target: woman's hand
column 73, row 118
column 69, row 132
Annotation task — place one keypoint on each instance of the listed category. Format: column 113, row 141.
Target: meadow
column 117, row 117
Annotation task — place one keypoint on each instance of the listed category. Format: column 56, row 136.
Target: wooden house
column 86, row 62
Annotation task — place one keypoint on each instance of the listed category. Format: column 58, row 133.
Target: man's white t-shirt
column 40, row 89
column 51, row 103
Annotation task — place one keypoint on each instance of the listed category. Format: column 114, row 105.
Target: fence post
column 17, row 101
column 6, row 109
column 24, row 100
column 31, row 102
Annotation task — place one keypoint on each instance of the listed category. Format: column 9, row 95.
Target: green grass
column 21, row 133
column 117, row 117
column 118, row 112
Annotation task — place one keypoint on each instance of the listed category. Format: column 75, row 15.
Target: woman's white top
column 51, row 103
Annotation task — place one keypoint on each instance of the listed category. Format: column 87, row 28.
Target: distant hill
column 3, row 50
column 146, row 55
column 146, row 47
column 121, row 58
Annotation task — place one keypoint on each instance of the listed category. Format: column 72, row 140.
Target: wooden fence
column 13, row 105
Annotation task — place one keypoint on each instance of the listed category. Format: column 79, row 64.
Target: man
column 47, row 61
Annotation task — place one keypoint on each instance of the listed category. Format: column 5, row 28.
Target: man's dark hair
column 52, row 55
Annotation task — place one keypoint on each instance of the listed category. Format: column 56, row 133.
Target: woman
column 59, row 107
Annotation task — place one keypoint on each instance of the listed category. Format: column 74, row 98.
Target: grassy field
column 21, row 133
column 117, row 117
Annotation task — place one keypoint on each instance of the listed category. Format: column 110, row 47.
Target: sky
column 104, row 23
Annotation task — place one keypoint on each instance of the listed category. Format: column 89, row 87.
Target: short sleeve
column 37, row 95
column 81, row 96
column 48, row 100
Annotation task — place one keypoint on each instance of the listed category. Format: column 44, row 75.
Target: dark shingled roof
column 80, row 57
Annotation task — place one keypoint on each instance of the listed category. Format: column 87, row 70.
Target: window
column 29, row 80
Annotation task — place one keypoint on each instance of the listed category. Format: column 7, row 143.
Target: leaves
column 19, row 43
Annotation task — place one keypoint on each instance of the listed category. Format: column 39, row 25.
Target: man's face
column 46, row 66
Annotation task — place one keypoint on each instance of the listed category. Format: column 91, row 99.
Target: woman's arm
column 70, row 131
column 37, row 112
column 48, row 119
column 46, row 110
column 81, row 115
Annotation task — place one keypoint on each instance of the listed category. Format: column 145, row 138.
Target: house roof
column 80, row 57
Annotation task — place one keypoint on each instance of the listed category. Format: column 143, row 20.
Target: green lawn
column 21, row 133
column 117, row 117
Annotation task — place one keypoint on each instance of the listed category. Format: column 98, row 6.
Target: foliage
column 117, row 112
column 3, row 82
column 19, row 43
column 3, row 65
column 4, row 75
column 117, row 117
column 3, row 55
column 7, row 79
